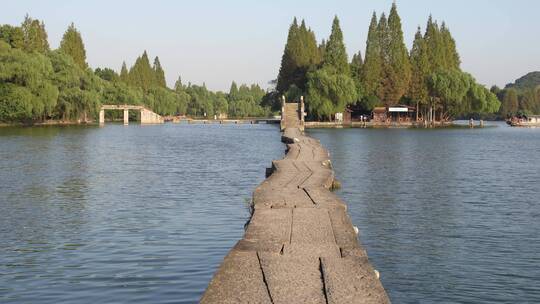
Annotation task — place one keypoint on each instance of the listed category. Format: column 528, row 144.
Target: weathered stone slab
column 293, row 280
column 352, row 280
column 281, row 198
column 343, row 229
column 270, row 225
column 322, row 198
column 258, row 246
column 311, row 226
column 239, row 279
column 311, row 251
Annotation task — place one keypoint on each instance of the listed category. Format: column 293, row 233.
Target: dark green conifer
column 372, row 69
column 141, row 74
column 73, row 46
column 124, row 74
column 159, row 74
column 335, row 54
column 356, row 66
column 288, row 64
column 434, row 44
column 418, row 90
column 384, row 86
column 398, row 65
column 35, row 36
column 452, row 60
column 301, row 53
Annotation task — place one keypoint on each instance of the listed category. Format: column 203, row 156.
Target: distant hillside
column 529, row 81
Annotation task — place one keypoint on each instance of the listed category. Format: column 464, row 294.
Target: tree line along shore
column 38, row 84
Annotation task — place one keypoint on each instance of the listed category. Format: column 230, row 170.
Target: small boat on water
column 524, row 121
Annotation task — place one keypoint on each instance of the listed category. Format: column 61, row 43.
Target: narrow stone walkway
column 300, row 245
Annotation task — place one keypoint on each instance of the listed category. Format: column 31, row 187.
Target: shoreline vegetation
column 38, row 84
column 41, row 86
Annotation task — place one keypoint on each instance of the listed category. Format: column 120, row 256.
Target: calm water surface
column 146, row 214
column 447, row 216
column 124, row 214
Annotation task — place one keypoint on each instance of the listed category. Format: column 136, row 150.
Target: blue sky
column 220, row 41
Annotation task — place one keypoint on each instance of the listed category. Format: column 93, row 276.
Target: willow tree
column 26, row 92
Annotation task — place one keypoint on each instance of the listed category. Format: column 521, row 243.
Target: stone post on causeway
column 126, row 117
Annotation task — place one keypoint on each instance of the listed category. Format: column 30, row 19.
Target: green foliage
column 79, row 89
column 38, row 84
column 34, row 36
column 73, row 46
column 329, row 92
column 356, row 66
column 107, row 74
column 124, row 74
column 529, row 81
column 159, row 74
column 25, row 90
column 141, row 73
column 457, row 93
column 418, row 90
column 12, row 35
column 397, row 64
column 521, row 97
column 245, row 101
column 335, row 55
column 372, row 70
column 300, row 55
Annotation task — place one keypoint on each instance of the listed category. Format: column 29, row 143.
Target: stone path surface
column 300, row 245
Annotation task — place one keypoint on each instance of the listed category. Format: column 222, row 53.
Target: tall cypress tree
column 35, row 36
column 322, row 48
column 452, row 60
column 159, row 74
column 233, row 92
column 434, row 45
column 301, row 52
column 141, row 74
column 124, row 74
column 288, row 65
column 356, row 66
column 418, row 90
column 335, row 55
column 398, row 65
column 384, row 44
column 73, row 46
column 372, row 69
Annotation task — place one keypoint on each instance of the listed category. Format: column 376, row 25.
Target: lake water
column 137, row 214
column 447, row 215
column 145, row 214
